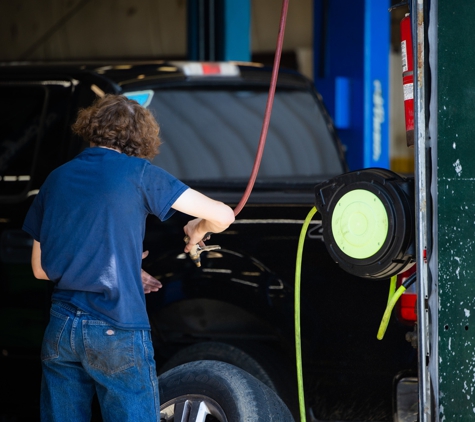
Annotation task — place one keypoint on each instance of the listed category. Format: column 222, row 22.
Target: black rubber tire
column 262, row 362
column 258, row 360
column 235, row 395
column 223, row 352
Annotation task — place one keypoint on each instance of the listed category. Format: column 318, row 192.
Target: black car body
column 242, row 296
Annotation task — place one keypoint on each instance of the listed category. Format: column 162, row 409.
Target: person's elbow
column 40, row 274
column 225, row 217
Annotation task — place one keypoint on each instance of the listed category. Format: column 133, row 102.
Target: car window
column 21, row 109
column 33, row 118
column 213, row 134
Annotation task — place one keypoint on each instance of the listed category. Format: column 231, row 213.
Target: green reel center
column 359, row 224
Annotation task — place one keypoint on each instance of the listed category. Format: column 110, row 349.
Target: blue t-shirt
column 89, row 218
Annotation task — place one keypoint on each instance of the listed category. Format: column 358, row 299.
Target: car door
column 34, row 134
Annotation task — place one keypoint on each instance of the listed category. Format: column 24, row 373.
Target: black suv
column 237, row 307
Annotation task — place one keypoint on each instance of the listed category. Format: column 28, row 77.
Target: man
column 88, row 225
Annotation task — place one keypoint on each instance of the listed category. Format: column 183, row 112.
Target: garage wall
column 265, row 23
column 90, row 29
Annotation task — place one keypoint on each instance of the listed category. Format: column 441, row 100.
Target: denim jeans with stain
column 82, row 355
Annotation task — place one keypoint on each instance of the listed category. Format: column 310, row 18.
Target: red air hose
column 268, row 111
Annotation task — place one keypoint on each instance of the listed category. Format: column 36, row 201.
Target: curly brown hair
column 115, row 121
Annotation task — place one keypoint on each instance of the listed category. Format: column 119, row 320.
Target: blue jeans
column 82, row 355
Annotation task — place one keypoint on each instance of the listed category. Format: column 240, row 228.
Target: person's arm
column 36, row 262
column 212, row 216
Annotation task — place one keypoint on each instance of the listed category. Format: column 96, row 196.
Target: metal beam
column 351, row 71
column 237, row 30
column 219, row 30
column 426, row 356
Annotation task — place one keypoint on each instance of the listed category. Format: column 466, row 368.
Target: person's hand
column 196, row 235
column 149, row 283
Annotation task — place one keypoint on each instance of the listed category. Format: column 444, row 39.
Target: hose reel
column 368, row 221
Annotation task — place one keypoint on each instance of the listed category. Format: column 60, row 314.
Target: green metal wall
column 456, row 209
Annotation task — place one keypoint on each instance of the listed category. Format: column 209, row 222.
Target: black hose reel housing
column 368, row 219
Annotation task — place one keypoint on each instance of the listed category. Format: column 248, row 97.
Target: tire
column 223, row 352
column 217, row 391
column 263, row 363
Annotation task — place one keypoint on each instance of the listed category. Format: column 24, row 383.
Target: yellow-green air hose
column 392, row 287
column 393, row 297
column 298, row 344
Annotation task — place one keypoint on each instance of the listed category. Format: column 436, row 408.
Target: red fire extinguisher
column 408, row 77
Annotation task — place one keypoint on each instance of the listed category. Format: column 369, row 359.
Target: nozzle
column 196, row 250
column 195, row 255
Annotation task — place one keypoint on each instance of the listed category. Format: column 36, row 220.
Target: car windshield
column 213, row 135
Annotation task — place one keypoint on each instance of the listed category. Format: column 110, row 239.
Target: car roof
column 124, row 75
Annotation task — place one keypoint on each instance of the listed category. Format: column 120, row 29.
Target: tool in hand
column 197, row 250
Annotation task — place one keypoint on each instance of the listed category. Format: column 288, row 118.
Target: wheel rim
column 191, row 408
